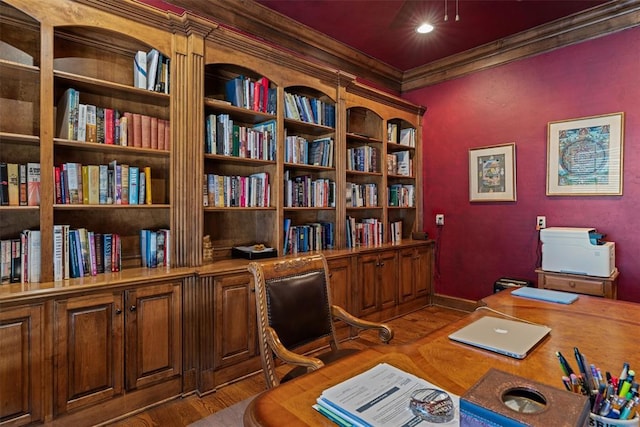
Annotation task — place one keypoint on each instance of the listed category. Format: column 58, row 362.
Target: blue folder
column 545, row 295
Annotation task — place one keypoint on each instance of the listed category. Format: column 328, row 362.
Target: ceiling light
column 424, row 28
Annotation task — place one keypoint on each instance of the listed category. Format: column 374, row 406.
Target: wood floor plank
column 184, row 411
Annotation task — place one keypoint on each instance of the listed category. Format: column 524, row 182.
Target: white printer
column 577, row 251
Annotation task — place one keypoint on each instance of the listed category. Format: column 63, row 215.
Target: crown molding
column 600, row 21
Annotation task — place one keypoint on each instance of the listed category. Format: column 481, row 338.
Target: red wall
column 481, row 242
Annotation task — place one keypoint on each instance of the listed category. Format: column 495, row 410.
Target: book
column 140, row 70
column 65, row 251
column 75, row 255
column 16, row 261
column 66, row 111
column 136, row 137
column 142, row 187
column 58, row 253
column 167, row 246
column 147, row 177
column 93, row 184
column 33, row 255
column 33, row 184
column 124, row 172
column 144, row 247
column 84, row 179
column 123, row 135
column 13, row 184
column 152, row 68
column 82, row 123
column 93, row 266
column 22, row 184
column 5, row 261
column 134, row 174
column 103, row 184
column 91, row 125
column 109, row 126
column 153, row 133
column 99, row 252
column 160, row 248
column 107, row 241
column 4, row 184
column 145, row 131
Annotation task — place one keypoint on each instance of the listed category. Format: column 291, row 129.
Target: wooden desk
column 604, row 330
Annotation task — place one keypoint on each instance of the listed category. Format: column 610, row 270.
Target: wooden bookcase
column 90, row 46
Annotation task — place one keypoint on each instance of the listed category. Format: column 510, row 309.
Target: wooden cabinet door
column 88, row 350
column 367, row 286
column 235, row 320
column 153, row 334
column 21, row 365
column 340, row 279
column 388, row 279
column 422, row 270
column 406, row 283
column 415, row 273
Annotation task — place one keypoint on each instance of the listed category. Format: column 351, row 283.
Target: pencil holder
column 600, row 421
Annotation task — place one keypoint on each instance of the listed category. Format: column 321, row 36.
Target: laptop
column 507, row 337
column 545, row 295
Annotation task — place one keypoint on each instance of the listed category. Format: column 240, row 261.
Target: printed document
column 378, row 397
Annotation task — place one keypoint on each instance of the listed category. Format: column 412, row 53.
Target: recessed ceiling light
column 424, row 28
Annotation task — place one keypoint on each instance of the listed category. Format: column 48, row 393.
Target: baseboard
column 454, row 302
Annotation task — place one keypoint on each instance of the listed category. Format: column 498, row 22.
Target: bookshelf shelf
column 105, row 207
column 19, row 139
column 111, row 89
column 238, row 160
column 109, row 148
column 244, row 114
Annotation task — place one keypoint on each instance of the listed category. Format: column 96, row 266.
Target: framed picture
column 492, row 173
column 584, row 156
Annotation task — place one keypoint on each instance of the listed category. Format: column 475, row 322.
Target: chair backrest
column 292, row 297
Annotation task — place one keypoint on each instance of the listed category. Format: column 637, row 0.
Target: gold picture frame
column 492, row 173
column 585, row 156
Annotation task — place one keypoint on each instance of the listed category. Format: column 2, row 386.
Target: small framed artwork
column 584, row 156
column 492, row 173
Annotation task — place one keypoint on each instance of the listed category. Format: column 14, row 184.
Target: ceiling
column 385, row 29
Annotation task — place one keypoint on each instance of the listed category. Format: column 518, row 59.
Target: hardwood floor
column 184, row 411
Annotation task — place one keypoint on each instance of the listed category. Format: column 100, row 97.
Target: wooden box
column 500, row 398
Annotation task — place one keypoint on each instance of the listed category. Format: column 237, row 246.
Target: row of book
column 364, row 232
column 307, row 237
column 318, row 152
column 406, row 136
column 310, row 110
column 151, row 71
column 80, row 252
column 401, row 195
column 112, row 184
column 361, row 195
column 363, row 159
column 91, row 123
column 224, row 137
column 400, row 163
column 155, row 248
column 256, row 95
column 237, row 191
column 20, row 258
column 304, row 191
column 19, row 184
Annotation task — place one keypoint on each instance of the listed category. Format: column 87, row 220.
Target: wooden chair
column 293, row 301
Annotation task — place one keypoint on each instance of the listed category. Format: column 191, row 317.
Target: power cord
column 437, row 251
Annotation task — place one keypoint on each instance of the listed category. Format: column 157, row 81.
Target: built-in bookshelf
column 310, row 190
column 240, row 157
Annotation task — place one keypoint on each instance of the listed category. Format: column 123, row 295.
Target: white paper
column 380, row 397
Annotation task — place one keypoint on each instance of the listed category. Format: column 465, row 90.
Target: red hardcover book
column 154, row 133
column 56, row 171
column 137, row 130
column 161, row 130
column 145, row 130
column 109, row 123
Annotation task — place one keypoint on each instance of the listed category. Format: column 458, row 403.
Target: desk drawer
column 570, row 284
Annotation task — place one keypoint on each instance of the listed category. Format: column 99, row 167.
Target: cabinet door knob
column 381, row 264
column 133, row 308
column 118, row 311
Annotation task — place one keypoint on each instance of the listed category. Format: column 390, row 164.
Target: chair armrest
column 290, row 357
column 385, row 333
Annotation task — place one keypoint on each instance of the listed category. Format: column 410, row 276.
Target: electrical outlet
column 439, row 219
column 541, row 222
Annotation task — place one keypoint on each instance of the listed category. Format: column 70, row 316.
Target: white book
column 58, row 253
column 33, row 242
column 65, row 251
column 140, row 70
column 82, row 122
